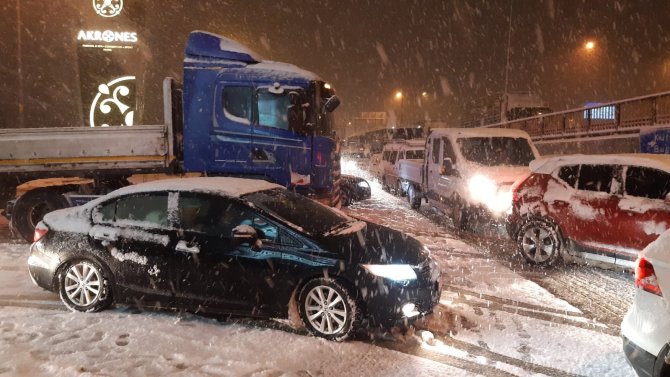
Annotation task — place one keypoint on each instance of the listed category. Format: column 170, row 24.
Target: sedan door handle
column 184, row 248
column 105, row 237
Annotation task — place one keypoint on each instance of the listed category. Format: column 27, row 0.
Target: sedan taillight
column 645, row 277
column 41, row 230
column 516, row 196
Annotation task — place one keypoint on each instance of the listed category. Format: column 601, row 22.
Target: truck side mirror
column 331, row 104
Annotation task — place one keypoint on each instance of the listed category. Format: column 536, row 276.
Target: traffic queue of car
column 606, row 210
column 249, row 247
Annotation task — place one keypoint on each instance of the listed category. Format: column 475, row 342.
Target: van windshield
column 492, row 151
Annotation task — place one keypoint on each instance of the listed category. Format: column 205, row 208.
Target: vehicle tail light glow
column 41, row 230
column 645, row 277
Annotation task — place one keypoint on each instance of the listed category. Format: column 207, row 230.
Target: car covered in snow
column 598, row 208
column 645, row 329
column 235, row 246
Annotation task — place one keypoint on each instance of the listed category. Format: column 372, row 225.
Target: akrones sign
column 107, row 36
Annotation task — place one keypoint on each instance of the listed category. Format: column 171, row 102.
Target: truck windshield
column 492, row 151
column 313, row 217
column 414, row 154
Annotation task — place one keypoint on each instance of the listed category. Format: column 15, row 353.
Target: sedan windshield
column 492, row 151
column 313, row 217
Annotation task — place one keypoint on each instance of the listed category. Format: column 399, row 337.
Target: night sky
column 453, row 50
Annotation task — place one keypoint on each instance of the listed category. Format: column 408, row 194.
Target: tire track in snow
column 557, row 316
column 413, row 349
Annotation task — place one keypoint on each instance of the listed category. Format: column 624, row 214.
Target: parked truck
column 468, row 173
column 393, row 154
column 235, row 115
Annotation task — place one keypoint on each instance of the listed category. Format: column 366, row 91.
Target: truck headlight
column 395, row 272
column 482, row 188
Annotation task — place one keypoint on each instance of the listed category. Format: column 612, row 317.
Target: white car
column 646, row 327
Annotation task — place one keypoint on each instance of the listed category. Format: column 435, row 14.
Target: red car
column 603, row 208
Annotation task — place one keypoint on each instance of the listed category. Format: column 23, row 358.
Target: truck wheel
column 399, row 191
column 413, row 197
column 31, row 207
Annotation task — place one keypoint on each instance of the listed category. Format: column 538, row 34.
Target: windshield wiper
column 341, row 226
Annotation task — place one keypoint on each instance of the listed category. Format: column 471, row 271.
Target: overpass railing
column 619, row 117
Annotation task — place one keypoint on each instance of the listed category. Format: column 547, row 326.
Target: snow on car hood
column 376, row 244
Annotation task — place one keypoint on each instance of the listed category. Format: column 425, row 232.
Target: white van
column 470, row 171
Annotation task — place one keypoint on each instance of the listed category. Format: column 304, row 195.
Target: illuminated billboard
column 109, row 65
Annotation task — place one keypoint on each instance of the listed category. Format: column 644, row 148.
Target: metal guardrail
column 619, row 117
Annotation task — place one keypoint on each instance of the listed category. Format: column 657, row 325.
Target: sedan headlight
column 396, row 272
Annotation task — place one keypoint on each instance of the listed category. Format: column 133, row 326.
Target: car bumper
column 644, row 363
column 42, row 267
column 388, row 302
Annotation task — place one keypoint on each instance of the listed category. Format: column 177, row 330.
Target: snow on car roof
column 232, row 187
column 478, row 132
column 547, row 165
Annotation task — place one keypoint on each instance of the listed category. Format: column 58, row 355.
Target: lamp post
column 399, row 97
column 590, row 47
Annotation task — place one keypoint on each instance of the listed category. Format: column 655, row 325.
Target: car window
column 147, row 210
column 569, row 174
column 217, row 216
column 596, row 177
column 436, row 151
column 449, row 150
column 492, row 151
column 647, row 183
column 237, row 103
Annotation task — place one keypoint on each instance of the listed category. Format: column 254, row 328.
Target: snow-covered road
column 493, row 320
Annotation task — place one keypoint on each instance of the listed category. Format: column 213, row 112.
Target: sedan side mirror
column 246, row 234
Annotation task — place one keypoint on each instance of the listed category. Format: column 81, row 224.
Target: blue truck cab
column 245, row 116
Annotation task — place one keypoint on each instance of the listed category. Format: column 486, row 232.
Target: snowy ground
column 493, row 320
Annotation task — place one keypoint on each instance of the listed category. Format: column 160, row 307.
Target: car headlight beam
column 396, row 272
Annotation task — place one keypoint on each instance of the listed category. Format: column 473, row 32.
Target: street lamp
column 590, row 48
column 399, row 96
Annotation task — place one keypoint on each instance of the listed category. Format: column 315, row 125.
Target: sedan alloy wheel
column 83, row 287
column 327, row 310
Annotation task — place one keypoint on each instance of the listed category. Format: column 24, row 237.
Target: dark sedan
column 235, row 246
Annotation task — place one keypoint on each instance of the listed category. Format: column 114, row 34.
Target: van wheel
column 31, row 207
column 460, row 215
column 413, row 198
column 539, row 242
